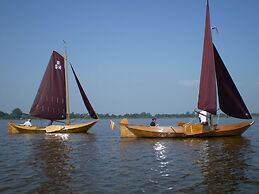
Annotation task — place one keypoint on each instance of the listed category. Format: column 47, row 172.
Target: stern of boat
column 12, row 128
column 124, row 131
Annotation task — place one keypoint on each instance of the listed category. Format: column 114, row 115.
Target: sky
column 131, row 56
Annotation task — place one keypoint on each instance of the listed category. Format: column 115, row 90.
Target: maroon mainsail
column 207, row 94
column 50, row 101
column 84, row 97
column 214, row 71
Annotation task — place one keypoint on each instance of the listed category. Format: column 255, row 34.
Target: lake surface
column 102, row 162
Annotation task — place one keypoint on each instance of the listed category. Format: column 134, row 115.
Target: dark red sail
column 50, row 101
column 230, row 101
column 207, row 93
column 84, row 97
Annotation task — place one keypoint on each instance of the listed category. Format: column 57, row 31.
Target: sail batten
column 52, row 87
column 207, row 99
column 87, row 103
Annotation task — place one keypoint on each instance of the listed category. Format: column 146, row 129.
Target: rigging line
column 67, row 88
column 218, row 117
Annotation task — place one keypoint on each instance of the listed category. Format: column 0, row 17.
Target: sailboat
column 52, row 101
column 214, row 81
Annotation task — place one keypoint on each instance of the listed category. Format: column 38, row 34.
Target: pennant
column 112, row 125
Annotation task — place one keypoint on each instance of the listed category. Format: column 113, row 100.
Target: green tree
column 3, row 115
column 16, row 113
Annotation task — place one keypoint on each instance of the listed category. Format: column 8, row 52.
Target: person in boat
column 153, row 122
column 204, row 117
column 27, row 123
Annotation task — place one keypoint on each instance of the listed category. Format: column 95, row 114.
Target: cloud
column 187, row 83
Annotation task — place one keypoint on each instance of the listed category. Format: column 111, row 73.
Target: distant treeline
column 18, row 114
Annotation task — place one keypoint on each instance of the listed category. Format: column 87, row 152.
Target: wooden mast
column 67, row 91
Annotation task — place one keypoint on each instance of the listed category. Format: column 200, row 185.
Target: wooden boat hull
column 76, row 128
column 185, row 130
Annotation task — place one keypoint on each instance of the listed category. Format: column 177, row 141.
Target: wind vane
column 215, row 28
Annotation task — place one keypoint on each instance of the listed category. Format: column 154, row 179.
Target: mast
column 67, row 90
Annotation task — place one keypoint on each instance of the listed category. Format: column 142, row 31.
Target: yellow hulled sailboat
column 214, row 81
column 52, row 101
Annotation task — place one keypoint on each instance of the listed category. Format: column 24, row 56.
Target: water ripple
column 101, row 162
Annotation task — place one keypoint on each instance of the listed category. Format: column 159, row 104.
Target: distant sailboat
column 52, row 101
column 215, row 80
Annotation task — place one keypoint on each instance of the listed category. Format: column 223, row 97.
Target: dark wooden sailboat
column 52, row 101
column 214, row 81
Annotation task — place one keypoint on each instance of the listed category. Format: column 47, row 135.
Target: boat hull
column 76, row 128
column 189, row 130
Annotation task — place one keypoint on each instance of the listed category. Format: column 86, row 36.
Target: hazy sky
column 131, row 56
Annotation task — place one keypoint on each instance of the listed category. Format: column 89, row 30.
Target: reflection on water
column 223, row 162
column 160, row 154
column 51, row 156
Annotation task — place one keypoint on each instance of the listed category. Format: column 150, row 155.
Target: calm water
column 102, row 162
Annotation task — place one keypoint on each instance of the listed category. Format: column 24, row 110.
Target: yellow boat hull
column 76, row 128
column 183, row 130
